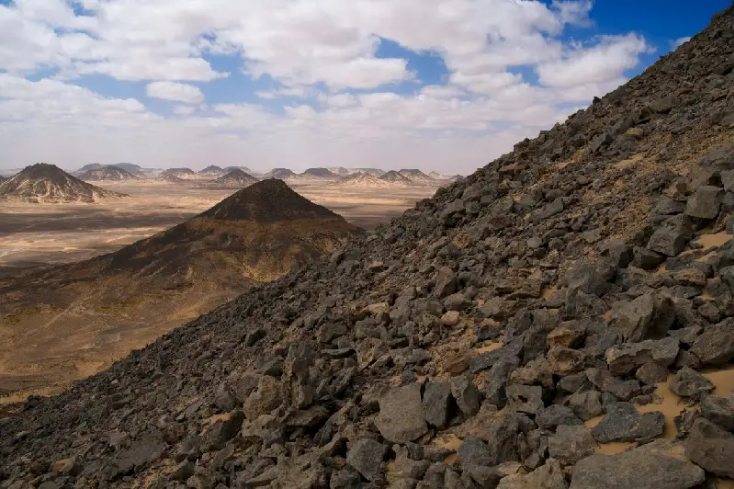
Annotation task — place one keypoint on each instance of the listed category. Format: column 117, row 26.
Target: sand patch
column 709, row 241
column 492, row 346
column 449, row 442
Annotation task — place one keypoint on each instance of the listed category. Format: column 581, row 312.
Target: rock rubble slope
column 498, row 335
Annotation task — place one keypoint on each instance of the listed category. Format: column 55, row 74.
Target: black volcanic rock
column 267, row 201
column 44, row 183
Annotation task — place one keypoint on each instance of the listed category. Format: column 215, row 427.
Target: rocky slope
column 497, row 335
column 59, row 322
column 48, row 184
column 362, row 180
column 318, row 173
column 107, row 173
column 234, row 179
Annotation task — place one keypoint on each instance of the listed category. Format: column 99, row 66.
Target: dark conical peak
column 211, row 169
column 44, row 170
column 267, row 201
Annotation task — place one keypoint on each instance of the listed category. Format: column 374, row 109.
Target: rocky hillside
column 48, row 184
column 362, row 180
column 112, row 173
column 234, row 179
column 415, row 175
column 123, row 300
column 521, row 329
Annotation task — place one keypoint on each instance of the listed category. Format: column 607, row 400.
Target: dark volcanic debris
column 493, row 336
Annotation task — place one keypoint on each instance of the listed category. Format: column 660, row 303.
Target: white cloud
column 179, row 92
column 184, row 109
column 321, row 53
column 599, row 64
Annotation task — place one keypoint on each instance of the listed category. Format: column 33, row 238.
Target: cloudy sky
column 442, row 85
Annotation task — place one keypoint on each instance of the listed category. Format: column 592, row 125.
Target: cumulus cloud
column 179, row 92
column 330, row 92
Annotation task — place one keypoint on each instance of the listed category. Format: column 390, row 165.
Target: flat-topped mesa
column 49, row 184
column 111, row 173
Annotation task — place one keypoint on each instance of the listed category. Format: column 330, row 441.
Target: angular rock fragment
column 400, row 420
column 657, row 465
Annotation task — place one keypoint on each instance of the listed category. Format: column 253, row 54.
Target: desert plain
column 39, row 234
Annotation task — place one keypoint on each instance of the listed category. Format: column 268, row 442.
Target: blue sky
column 313, row 82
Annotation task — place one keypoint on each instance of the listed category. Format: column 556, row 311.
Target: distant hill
column 280, row 174
column 211, row 171
column 131, row 168
column 362, row 180
column 178, row 174
column 126, row 299
column 318, row 173
column 107, row 173
column 243, row 168
column 2, row 178
column 48, row 184
column 415, row 175
column 90, row 166
column 234, row 179
column 395, row 177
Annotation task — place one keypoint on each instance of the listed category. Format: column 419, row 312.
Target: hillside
column 125, row 299
column 48, row 184
column 234, row 179
column 395, row 177
column 211, row 171
column 415, row 175
column 177, row 174
column 560, row 319
column 111, row 173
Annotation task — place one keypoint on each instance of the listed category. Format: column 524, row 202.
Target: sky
column 440, row 85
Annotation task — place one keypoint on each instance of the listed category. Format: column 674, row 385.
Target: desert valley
column 561, row 317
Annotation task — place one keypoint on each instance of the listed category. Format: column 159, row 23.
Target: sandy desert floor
column 33, row 234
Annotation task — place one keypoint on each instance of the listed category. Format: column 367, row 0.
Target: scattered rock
column 689, row 383
column 711, row 447
column 367, row 456
column 399, row 420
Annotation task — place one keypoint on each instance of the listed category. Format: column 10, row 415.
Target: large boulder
column 711, row 447
column 715, row 346
column 627, row 358
column 437, row 401
column 719, row 410
column 657, row 465
column 670, row 238
column 400, row 420
column 705, row 202
column 689, row 383
column 367, row 456
column 571, row 443
column 646, row 316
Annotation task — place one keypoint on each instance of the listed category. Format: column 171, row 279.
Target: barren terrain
column 33, row 234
